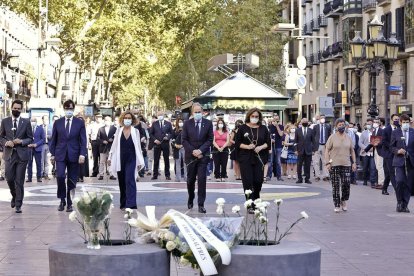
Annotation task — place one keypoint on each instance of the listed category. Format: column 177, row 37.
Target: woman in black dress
column 252, row 142
column 233, row 150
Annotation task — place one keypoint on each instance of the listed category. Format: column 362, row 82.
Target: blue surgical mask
column 160, row 117
column 198, row 116
column 127, row 122
column 68, row 113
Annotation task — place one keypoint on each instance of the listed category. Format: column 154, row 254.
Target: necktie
column 67, row 127
column 304, row 132
column 406, row 137
column 198, row 128
column 15, row 127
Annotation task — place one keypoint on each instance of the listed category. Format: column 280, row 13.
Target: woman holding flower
column 339, row 149
column 126, row 159
column 252, row 143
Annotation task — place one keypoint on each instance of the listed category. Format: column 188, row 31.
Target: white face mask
column 127, row 122
column 369, row 127
column 220, row 125
column 405, row 126
column 68, row 113
column 254, row 120
column 160, row 117
column 180, row 124
column 34, row 124
column 355, row 130
column 322, row 121
column 107, row 123
column 292, row 130
column 375, row 125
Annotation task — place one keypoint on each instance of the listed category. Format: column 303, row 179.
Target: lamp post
column 374, row 52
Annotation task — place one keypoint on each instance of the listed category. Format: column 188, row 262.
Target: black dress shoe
column 299, row 181
column 13, row 203
column 399, row 209
column 167, row 178
column 69, row 209
column 190, row 205
column 18, row 210
column 100, row 178
column 154, row 178
column 385, row 192
column 308, row 182
column 280, row 179
column 61, row 206
column 112, row 177
column 202, row 210
column 28, row 180
column 39, row 179
column 405, row 210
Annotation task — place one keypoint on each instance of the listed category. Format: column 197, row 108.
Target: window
column 399, row 26
column 409, row 23
column 318, row 81
column 403, row 78
column 387, row 20
column 311, row 80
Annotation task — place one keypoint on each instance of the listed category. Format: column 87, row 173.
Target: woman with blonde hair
column 126, row 159
column 292, row 158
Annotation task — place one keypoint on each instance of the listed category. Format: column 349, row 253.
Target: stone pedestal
column 286, row 259
column 133, row 259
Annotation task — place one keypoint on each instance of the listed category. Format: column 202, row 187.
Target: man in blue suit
column 388, row 155
column 36, row 152
column 402, row 144
column 161, row 132
column 197, row 137
column 68, row 149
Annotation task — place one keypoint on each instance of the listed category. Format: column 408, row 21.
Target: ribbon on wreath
column 186, row 225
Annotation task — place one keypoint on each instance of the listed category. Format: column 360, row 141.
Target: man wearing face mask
column 402, row 145
column 367, row 153
column 388, row 154
column 15, row 135
column 161, row 132
column 105, row 138
column 36, row 152
column 378, row 153
column 321, row 131
column 68, row 150
column 306, row 146
column 276, row 134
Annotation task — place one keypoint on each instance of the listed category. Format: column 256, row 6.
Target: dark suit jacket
column 398, row 142
column 23, row 132
column 39, row 138
column 317, row 133
column 101, row 137
column 386, row 142
column 305, row 145
column 192, row 141
column 380, row 147
column 156, row 133
column 61, row 145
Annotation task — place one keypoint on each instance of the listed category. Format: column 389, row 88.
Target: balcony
column 322, row 21
column 307, row 30
column 316, row 58
column 309, row 60
column 369, row 5
column 326, row 54
column 315, row 25
column 337, row 49
column 383, row 3
column 353, row 7
column 334, row 8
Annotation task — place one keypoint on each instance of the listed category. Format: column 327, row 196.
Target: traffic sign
column 301, row 81
column 395, row 90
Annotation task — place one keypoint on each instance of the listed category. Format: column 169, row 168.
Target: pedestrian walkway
column 369, row 239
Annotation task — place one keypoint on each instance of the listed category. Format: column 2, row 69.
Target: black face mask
column 341, row 129
column 396, row 123
column 16, row 113
column 305, row 124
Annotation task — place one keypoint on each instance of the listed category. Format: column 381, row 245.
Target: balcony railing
column 327, row 8
column 337, row 4
column 322, row 21
column 309, row 61
column 369, row 5
column 382, row 3
column 326, row 53
column 337, row 49
column 316, row 58
column 307, row 30
column 315, row 25
column 334, row 8
column 353, row 7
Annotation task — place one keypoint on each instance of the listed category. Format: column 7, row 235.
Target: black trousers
column 304, row 160
column 220, row 163
column 252, row 177
column 165, row 149
column 404, row 181
column 197, row 168
column 14, row 172
column 95, row 156
column 389, row 174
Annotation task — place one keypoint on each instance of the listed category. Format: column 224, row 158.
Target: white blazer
column 115, row 153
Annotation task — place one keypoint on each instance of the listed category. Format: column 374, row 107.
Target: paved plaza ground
column 369, row 239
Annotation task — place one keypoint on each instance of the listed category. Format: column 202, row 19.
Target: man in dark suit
column 306, row 146
column 197, row 137
column 321, row 133
column 387, row 153
column 15, row 135
column 68, row 149
column 402, row 145
column 104, row 139
column 36, row 152
column 379, row 153
column 161, row 132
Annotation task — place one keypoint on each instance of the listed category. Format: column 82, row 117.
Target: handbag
column 284, row 153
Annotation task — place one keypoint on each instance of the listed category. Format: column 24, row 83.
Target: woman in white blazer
column 125, row 159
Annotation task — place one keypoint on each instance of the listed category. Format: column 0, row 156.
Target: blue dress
column 126, row 177
column 292, row 158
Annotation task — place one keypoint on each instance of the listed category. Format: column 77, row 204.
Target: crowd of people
column 258, row 149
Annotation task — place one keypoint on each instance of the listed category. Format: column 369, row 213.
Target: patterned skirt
column 292, row 158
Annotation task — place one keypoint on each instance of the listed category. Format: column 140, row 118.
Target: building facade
column 330, row 70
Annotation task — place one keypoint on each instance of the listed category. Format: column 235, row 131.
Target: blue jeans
column 370, row 171
column 275, row 164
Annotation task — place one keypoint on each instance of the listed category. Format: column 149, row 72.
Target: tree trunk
column 108, row 85
column 194, row 75
column 60, row 79
column 92, row 81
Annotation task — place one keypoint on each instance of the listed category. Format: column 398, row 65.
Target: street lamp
column 377, row 50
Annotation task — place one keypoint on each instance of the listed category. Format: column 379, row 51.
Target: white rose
column 76, row 200
column 126, row 216
column 92, row 194
column 220, row 201
column 129, row 210
column 184, row 261
column 278, row 201
column 184, row 247
column 170, row 245
column 248, row 203
column 133, row 222
column 235, row 209
column 169, row 236
column 257, row 201
column 86, row 199
column 219, row 210
column 304, row 215
column 72, row 216
column 257, row 212
column 248, row 192
column 263, row 219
